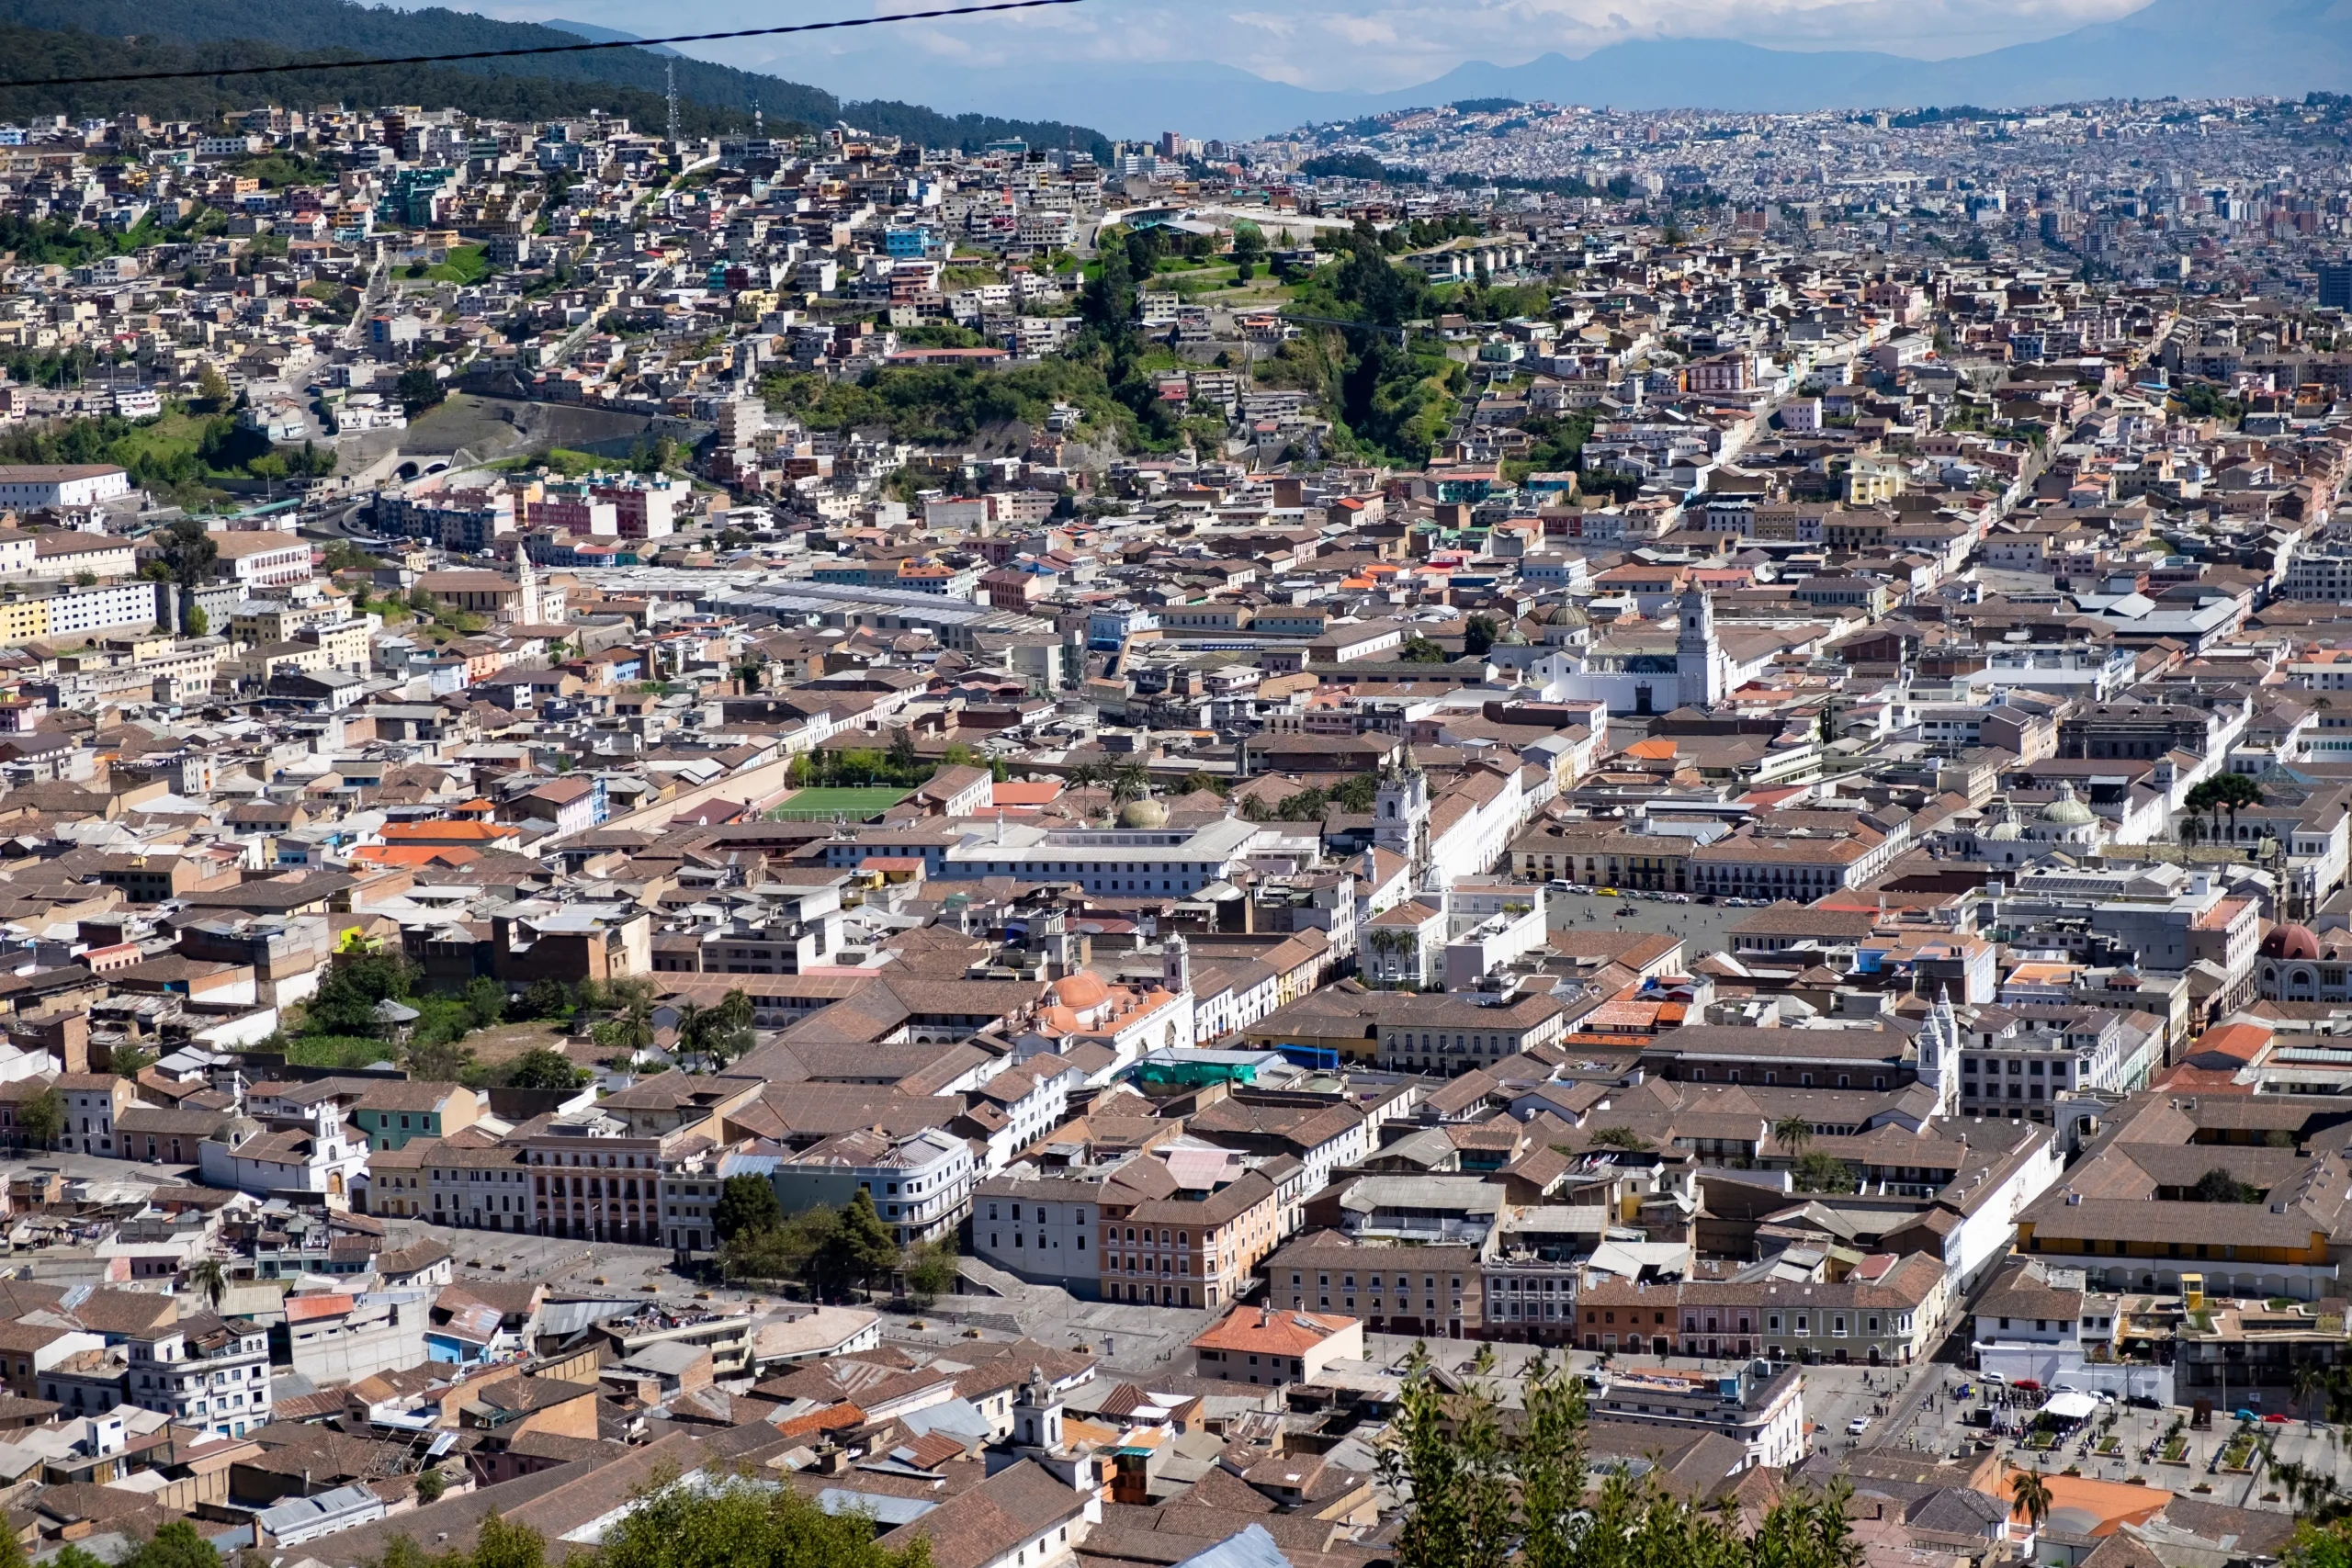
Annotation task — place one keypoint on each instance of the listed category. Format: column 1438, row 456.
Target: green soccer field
column 815, row 805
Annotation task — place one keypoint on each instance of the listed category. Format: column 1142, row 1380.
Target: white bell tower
column 1401, row 812
column 1698, row 657
column 1037, row 1415
column 1176, row 966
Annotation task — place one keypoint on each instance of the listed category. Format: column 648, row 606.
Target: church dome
column 2291, row 941
column 1567, row 616
column 2066, row 811
column 1144, row 813
column 2005, row 827
column 1080, row 991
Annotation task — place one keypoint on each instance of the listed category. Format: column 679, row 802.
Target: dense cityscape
column 1483, row 833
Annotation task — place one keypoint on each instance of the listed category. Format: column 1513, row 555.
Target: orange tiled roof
column 1270, row 1333
column 446, row 832
column 413, row 854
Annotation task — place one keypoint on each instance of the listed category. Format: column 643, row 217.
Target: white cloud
column 1381, row 44
column 1374, row 45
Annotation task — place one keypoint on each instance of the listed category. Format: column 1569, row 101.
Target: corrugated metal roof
column 570, row 1317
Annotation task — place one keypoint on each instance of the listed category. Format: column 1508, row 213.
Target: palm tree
column 2308, row 1380
column 2030, row 1493
column 1792, row 1134
column 691, row 1026
column 209, row 1280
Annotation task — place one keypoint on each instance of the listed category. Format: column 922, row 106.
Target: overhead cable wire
column 949, row 13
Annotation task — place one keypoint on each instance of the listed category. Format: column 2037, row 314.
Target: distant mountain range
column 2170, row 48
column 595, row 34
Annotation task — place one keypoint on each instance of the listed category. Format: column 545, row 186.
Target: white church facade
column 1699, row 673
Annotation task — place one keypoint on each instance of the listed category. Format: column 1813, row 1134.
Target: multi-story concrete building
column 1760, row 1405
column 920, row 1184
column 203, row 1372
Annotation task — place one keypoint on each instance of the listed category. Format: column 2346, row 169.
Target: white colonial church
column 1637, row 676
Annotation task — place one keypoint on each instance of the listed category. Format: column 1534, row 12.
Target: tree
column 2308, row 1383
column 761, row 1255
column 41, row 1118
column 728, row 1031
column 502, row 1545
column 2223, row 791
column 712, row 1520
column 1445, row 1459
column 418, row 390
column 930, row 1268
column 1249, row 250
column 434, row 1059
column 486, row 1000
column 860, row 1249
column 209, row 1280
column 1419, row 649
column 1551, row 1463
column 2218, row 1186
column 189, row 552
column 544, row 1067
column 194, row 622
column 689, row 1027
column 2030, row 1493
column 1823, row 1173
column 430, row 1484
column 213, row 387
column 1478, row 636
column 630, row 1029
column 1481, row 1489
column 1620, row 1138
column 176, row 1545
column 357, row 978
column 746, row 1204
column 546, row 998
column 1792, row 1134
column 129, row 1061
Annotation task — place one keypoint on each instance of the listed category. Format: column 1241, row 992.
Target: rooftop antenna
column 669, row 81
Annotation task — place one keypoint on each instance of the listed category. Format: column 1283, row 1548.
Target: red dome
column 2291, row 941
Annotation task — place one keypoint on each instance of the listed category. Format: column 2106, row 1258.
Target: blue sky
column 1322, row 44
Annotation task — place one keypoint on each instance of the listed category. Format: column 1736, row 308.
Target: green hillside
column 85, row 37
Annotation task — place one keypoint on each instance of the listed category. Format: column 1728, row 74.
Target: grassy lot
column 464, row 263
column 344, row 1051
column 855, row 804
column 561, row 459
column 175, row 432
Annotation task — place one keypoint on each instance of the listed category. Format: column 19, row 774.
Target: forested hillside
column 88, row 36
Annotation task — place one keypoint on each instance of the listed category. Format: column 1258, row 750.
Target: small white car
column 1858, row 1425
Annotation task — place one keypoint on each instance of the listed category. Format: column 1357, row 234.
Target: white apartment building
column 920, row 1184
column 34, row 487
column 202, row 1373
column 1038, row 1227
column 264, row 558
column 1760, row 1407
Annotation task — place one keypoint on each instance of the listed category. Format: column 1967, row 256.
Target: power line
column 949, row 13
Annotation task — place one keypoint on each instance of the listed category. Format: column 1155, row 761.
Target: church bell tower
column 1698, row 657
